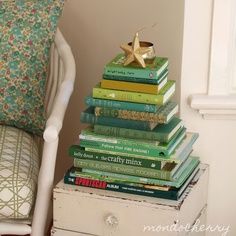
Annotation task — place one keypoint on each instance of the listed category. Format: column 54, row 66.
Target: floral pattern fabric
column 27, row 29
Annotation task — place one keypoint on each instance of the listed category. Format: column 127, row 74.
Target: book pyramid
column 135, row 143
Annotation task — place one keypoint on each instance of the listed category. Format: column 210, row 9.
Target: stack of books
column 135, row 142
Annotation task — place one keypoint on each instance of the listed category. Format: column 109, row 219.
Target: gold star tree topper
column 134, row 53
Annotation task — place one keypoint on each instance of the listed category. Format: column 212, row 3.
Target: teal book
column 129, row 146
column 152, row 71
column 157, row 99
column 183, row 173
column 131, row 106
column 76, row 151
column 163, row 115
column 88, row 116
column 162, row 76
column 162, row 132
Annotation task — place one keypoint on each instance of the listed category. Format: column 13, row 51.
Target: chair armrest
column 55, row 119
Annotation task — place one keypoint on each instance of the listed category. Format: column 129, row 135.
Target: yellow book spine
column 133, row 87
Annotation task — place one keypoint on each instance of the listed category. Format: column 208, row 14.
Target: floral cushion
column 19, row 167
column 27, row 29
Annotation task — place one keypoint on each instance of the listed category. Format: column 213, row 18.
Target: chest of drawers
column 85, row 211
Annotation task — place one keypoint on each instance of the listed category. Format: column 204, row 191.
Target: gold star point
column 134, row 53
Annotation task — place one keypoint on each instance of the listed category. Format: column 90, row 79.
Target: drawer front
column 61, row 232
column 201, row 221
column 107, row 217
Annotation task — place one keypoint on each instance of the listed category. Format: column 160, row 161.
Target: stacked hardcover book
column 135, row 142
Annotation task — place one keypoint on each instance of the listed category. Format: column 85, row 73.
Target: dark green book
column 150, row 148
column 162, row 132
column 124, row 188
column 153, row 70
column 79, row 152
column 138, row 80
column 145, row 190
column 88, row 116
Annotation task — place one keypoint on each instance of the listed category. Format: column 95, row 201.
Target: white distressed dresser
column 81, row 211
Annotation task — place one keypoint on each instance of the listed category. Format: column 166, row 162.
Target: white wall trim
column 214, row 106
column 220, row 99
column 223, row 48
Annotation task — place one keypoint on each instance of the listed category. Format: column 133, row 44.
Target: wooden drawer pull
column 111, row 220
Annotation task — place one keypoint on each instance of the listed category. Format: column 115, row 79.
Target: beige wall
column 216, row 143
column 95, row 29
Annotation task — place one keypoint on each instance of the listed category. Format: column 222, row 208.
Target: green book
column 158, row 99
column 162, row 132
column 179, row 155
column 131, row 106
column 123, row 169
column 88, row 116
column 166, row 173
column 163, row 114
column 138, row 80
column 183, row 173
column 76, row 151
column 152, row 71
column 130, row 146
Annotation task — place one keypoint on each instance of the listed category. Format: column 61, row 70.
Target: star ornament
column 135, row 53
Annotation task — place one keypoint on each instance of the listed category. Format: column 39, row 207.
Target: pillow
column 19, row 167
column 27, row 29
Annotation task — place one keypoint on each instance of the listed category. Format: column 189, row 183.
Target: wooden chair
column 59, row 89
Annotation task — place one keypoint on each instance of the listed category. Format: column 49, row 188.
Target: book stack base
column 80, row 211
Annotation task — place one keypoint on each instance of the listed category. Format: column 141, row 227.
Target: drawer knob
column 111, row 220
